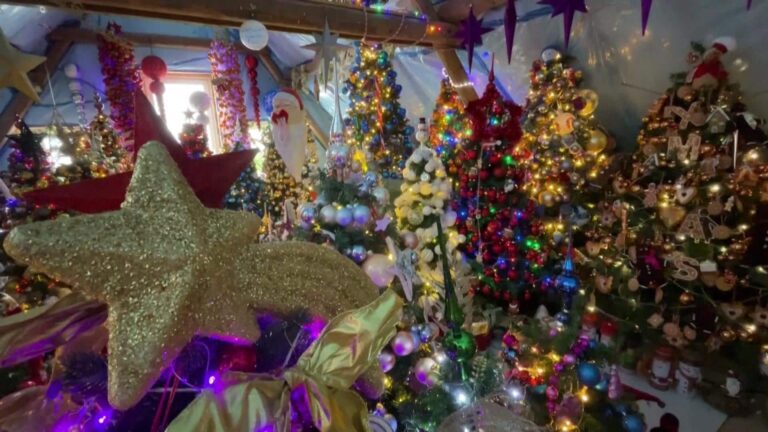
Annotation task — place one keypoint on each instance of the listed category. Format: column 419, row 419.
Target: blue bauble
column 589, row 374
column 398, row 88
column 408, row 129
column 562, row 317
column 633, row 423
column 510, row 354
column 391, row 74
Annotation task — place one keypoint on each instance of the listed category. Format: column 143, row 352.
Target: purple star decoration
column 645, row 9
column 471, row 32
column 568, row 9
column 510, row 23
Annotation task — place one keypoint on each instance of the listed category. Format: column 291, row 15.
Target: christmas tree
column 351, row 209
column 693, row 225
column 424, row 200
column 503, row 236
column 449, row 127
column 567, row 145
column 194, row 140
column 28, row 165
column 378, row 122
column 281, row 188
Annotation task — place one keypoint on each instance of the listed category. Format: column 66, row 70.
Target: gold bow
column 346, row 349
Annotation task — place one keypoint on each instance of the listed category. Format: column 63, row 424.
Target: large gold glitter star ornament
column 14, row 66
column 170, row 269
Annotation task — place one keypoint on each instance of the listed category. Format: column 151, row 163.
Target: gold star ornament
column 170, row 269
column 14, row 66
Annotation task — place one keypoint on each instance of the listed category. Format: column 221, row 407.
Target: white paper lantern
column 200, row 101
column 254, row 35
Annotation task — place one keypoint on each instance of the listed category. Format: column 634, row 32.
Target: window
column 178, row 87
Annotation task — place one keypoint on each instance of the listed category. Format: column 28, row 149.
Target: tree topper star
column 326, row 48
column 14, row 66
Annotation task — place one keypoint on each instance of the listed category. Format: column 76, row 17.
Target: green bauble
column 460, row 345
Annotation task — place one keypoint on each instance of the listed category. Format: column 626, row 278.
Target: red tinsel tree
column 253, row 73
column 194, row 141
column 495, row 216
column 230, row 96
column 121, row 77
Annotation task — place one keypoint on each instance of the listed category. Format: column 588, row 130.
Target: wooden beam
column 282, row 15
column 454, row 11
column 20, row 104
column 450, row 59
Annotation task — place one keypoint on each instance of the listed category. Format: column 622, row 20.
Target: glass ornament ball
column 344, row 216
column 459, row 344
column 307, row 214
column 426, row 371
column 598, row 141
column 403, row 343
column 328, row 215
column 387, row 360
column 361, row 214
column 358, row 254
column 590, row 101
column 588, row 374
column 551, row 54
column 633, row 423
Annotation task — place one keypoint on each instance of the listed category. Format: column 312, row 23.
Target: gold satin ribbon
column 346, row 349
column 40, row 330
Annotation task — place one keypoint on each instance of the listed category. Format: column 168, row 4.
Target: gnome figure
column 289, row 130
column 710, row 72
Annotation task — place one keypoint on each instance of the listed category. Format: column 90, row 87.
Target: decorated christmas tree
column 194, row 140
column 568, row 148
column 504, row 238
column 28, row 165
column 693, row 218
column 449, row 127
column 351, row 210
column 377, row 120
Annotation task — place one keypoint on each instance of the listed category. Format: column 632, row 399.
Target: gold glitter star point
column 170, row 269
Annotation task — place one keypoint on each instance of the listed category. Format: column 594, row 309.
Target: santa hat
column 288, row 93
column 724, row 44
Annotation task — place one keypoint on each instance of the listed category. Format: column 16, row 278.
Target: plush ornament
column 711, row 72
column 289, row 130
column 148, row 252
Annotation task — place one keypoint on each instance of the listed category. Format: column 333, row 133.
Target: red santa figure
column 289, row 130
column 710, row 72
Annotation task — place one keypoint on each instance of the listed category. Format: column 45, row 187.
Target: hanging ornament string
column 397, row 32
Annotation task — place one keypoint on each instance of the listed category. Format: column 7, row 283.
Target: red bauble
column 251, row 61
column 496, row 248
column 154, row 67
column 507, row 295
column 484, row 174
column 494, row 159
column 512, row 274
column 497, row 295
column 157, row 87
column 499, row 172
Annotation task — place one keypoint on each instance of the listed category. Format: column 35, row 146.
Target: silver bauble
column 382, row 195
column 328, row 214
column 344, row 216
column 550, row 54
column 358, row 254
column 361, row 214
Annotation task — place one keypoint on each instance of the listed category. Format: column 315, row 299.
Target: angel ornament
column 405, row 267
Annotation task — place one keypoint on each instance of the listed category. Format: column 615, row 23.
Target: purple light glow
column 315, row 327
column 211, row 379
column 102, row 419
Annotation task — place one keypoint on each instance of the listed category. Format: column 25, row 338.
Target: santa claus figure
column 710, row 72
column 289, row 130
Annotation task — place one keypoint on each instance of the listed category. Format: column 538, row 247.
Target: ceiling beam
column 453, row 67
column 20, row 103
column 454, row 11
column 282, row 15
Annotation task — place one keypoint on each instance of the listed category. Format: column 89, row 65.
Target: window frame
column 204, row 78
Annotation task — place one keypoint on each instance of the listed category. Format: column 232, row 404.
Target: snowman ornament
column 688, row 376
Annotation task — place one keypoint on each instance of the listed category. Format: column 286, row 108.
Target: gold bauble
column 590, row 101
column 686, row 298
column 598, row 141
column 171, row 269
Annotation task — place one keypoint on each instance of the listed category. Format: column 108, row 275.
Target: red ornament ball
column 154, row 67
column 157, row 87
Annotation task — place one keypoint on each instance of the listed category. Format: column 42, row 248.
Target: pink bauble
column 380, row 269
column 426, row 371
column 403, row 343
column 410, row 240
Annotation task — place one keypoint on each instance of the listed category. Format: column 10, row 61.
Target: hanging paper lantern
column 254, row 35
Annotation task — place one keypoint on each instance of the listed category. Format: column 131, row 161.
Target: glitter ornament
column 161, row 262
